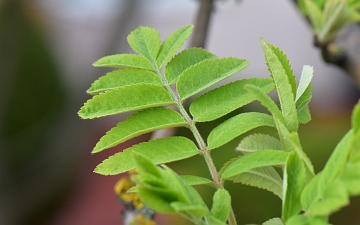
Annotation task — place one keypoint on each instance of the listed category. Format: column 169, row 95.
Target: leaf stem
column 200, row 142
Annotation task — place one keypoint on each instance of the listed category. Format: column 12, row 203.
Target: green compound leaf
column 294, row 182
column 140, row 123
column 156, row 199
column 159, row 151
column 236, row 126
column 264, row 177
column 125, row 99
column 206, row 73
column 171, row 44
column 284, row 79
column 254, row 160
column 184, row 60
column 221, row 205
column 225, row 99
column 194, row 212
column 274, row 221
column 257, row 142
column 195, row 180
column 145, row 41
column 124, row 61
column 120, row 78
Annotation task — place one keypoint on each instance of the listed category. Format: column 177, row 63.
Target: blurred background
column 47, row 48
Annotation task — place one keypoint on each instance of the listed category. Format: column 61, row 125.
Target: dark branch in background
column 344, row 50
column 198, row 40
column 202, row 23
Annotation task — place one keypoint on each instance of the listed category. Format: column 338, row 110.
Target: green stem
column 200, row 141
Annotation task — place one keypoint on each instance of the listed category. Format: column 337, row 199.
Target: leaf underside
column 264, row 177
column 257, row 142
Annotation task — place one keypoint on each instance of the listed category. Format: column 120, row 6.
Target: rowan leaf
column 159, row 151
column 284, row 79
column 266, row 101
column 355, row 118
column 305, row 81
column 195, row 180
column 171, row 44
column 274, row 221
column 257, row 142
column 140, row 123
column 263, row 177
column 254, row 160
column 125, row 99
column 206, row 73
column 183, row 61
column 124, row 61
column 119, row 78
column 145, row 41
column 221, row 205
column 351, row 179
column 236, row 126
column 225, row 99
column 294, row 182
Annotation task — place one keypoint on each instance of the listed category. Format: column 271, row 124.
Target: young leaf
column 304, row 115
column 146, row 167
column 308, row 220
column 305, row 80
column 221, row 205
column 184, row 60
column 206, row 73
column 195, row 180
column 236, row 126
column 120, row 78
column 254, row 160
column 156, row 201
column 265, row 101
column 351, row 179
column 263, row 177
column 315, row 15
column 225, row 99
column 333, row 198
column 294, row 182
column 172, row 43
column 124, row 61
column 140, row 123
column 145, row 41
column 125, row 99
column 284, row 80
column 213, row 220
column 193, row 212
column 337, row 162
column 294, row 139
column 355, row 118
column 257, row 142
column 274, row 221
column 160, row 151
